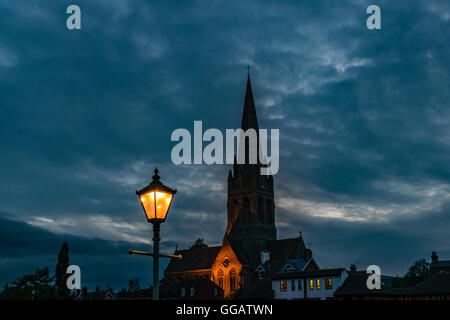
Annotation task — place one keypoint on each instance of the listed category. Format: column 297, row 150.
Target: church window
column 269, row 212
column 220, row 276
column 293, row 285
column 261, row 210
column 192, row 292
column 318, row 284
column 283, row 285
column 183, row 292
column 299, row 284
column 311, row 284
column 246, row 211
column 232, row 280
column 328, row 283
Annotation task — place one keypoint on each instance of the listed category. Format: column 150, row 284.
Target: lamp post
column 155, row 199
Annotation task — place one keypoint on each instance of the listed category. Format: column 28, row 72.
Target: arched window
column 220, row 277
column 183, row 292
column 246, row 211
column 232, row 280
column 269, row 212
column 261, row 210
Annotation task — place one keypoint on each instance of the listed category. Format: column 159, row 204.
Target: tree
column 417, row 273
column 199, row 243
column 31, row 287
column 60, row 272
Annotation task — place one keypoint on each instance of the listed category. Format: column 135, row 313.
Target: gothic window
column 269, row 212
column 246, row 211
column 232, row 280
column 261, row 210
column 220, row 276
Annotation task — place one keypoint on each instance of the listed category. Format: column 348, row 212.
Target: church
column 250, row 253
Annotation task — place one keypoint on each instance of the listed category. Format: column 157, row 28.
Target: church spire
column 249, row 119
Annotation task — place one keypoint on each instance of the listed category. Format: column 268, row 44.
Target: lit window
column 299, row 285
column 328, row 283
column 311, row 284
column 293, row 285
column 318, row 284
column 283, row 285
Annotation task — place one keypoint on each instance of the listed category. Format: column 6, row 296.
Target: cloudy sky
column 85, row 116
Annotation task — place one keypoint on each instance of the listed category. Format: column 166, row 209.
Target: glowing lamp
column 156, row 199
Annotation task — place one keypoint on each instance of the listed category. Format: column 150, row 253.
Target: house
column 192, row 289
column 355, row 287
column 438, row 266
column 316, row 284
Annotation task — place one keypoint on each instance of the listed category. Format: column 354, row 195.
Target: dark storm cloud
column 86, row 115
column 25, row 248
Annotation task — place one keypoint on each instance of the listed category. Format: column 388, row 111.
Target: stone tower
column 251, row 207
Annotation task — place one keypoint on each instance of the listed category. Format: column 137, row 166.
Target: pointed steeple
column 249, row 119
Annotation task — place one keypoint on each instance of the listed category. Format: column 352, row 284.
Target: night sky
column 86, row 115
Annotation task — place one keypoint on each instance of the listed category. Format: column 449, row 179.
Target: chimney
column 434, row 257
column 352, row 268
column 265, row 256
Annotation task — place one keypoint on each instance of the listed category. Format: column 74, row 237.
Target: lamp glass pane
column 162, row 204
column 149, row 205
column 163, row 201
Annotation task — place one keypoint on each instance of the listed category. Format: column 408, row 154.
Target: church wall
column 226, row 262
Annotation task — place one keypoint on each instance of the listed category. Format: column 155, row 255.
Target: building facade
column 250, row 253
column 315, row 285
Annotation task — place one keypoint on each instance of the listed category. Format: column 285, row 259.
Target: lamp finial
column 156, row 176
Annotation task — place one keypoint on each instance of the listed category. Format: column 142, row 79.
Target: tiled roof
column 286, row 248
column 356, row 284
column 298, row 263
column 436, row 284
column 194, row 259
column 440, row 264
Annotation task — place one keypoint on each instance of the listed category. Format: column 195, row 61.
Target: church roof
column 286, row 248
column 193, row 259
column 249, row 119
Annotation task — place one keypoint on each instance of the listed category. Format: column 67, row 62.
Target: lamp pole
column 156, row 240
column 155, row 199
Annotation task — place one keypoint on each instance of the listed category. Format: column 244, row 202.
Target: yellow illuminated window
column 311, row 284
column 318, row 284
column 328, row 283
column 283, row 285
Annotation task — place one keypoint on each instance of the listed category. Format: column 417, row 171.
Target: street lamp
column 156, row 199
